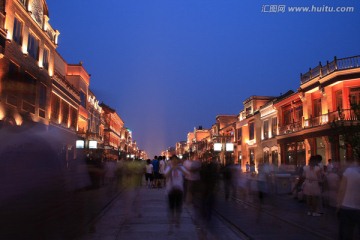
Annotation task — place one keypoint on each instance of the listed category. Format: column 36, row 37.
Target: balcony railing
column 2, row 22
column 343, row 115
column 290, row 128
column 335, row 65
column 51, row 33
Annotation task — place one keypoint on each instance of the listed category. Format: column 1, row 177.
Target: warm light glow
column 306, row 123
column 24, row 48
column 2, row 113
column 18, row 119
column 324, row 118
column 251, row 142
column 51, row 72
column 9, row 35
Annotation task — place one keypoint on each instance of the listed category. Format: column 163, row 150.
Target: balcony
column 2, row 24
column 330, row 67
column 290, row 128
column 343, row 115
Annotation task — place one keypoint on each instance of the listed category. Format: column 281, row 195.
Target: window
column 274, row 127
column 287, row 116
column 23, row 2
column 355, row 95
column 42, row 100
column 46, row 59
column 74, row 116
column 317, row 107
column 266, row 156
column 33, row 47
column 266, row 129
column 55, row 108
column 42, row 96
column 251, row 131
column 338, row 100
column 298, row 113
column 82, row 99
column 28, row 91
column 64, row 113
column 275, row 157
column 17, row 34
column 239, row 135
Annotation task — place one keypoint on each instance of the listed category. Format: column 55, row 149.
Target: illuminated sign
column 217, row 146
column 229, row 147
column 80, row 144
column 93, row 144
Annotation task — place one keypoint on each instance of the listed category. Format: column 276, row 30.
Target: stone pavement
column 140, row 215
column 143, row 215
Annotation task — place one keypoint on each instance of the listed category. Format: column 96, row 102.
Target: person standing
column 156, row 167
column 349, row 202
column 174, row 174
column 311, row 187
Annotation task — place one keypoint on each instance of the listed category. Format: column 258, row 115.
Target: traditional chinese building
column 306, row 118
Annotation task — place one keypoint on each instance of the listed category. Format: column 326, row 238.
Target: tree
column 348, row 129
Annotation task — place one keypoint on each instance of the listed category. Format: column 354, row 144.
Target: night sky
column 168, row 66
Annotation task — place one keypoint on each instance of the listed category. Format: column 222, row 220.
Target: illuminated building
column 112, row 132
column 248, row 131
column 225, row 125
column 269, row 130
column 306, row 117
column 27, row 48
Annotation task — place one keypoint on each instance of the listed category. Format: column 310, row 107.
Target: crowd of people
column 323, row 185
column 195, row 182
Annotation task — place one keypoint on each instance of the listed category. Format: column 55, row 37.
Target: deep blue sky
column 168, row 66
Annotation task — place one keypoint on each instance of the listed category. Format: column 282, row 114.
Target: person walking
column 192, row 180
column 311, row 187
column 174, row 174
column 149, row 173
column 349, row 202
column 161, row 171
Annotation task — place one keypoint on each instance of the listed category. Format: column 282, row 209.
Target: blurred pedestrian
column 174, row 174
column 161, row 171
column 349, row 202
column 332, row 187
column 330, row 165
column 320, row 208
column 247, row 166
column 149, row 173
column 192, row 180
column 209, row 175
column 132, row 173
column 311, row 186
column 227, row 175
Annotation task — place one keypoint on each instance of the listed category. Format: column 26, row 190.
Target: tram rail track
column 244, row 234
